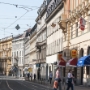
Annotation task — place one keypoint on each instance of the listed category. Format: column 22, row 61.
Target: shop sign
column 30, row 69
column 82, row 24
column 73, row 53
column 60, row 58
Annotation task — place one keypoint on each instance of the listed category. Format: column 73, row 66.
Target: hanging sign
column 73, row 53
column 82, row 24
column 59, row 57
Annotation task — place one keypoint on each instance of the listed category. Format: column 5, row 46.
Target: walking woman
column 70, row 80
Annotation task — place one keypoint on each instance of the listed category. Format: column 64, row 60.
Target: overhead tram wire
column 16, row 20
column 21, row 6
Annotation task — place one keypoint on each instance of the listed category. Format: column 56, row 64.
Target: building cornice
column 58, row 8
column 33, row 50
column 41, row 14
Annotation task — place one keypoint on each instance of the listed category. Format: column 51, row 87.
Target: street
column 21, row 85
column 13, row 83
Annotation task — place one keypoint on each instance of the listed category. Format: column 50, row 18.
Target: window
column 76, row 29
column 55, row 1
column 20, row 53
column 81, row 52
column 71, row 31
column 17, row 53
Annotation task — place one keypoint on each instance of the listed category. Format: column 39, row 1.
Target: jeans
column 54, row 89
column 50, row 80
column 70, row 85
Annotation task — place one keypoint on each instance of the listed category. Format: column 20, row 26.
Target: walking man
column 50, row 76
column 70, row 80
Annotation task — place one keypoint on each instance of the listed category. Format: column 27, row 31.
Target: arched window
column 64, row 54
column 81, row 52
column 88, row 50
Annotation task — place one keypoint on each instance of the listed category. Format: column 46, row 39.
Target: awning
column 62, row 62
column 72, row 62
column 84, row 61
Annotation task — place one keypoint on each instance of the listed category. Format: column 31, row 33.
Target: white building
column 41, row 40
column 18, row 54
column 27, row 51
column 54, row 33
column 33, row 58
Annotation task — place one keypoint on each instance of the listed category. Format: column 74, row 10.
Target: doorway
column 81, row 55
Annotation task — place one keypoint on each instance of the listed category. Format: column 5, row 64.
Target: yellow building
column 75, row 38
column 5, row 55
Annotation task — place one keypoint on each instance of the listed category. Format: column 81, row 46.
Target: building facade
column 41, row 40
column 18, row 54
column 54, row 33
column 33, row 58
column 27, row 51
column 5, row 55
column 76, row 38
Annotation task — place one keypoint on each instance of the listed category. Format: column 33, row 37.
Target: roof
column 18, row 36
column 33, row 29
column 28, row 32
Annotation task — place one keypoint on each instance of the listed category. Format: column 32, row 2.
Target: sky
column 17, row 12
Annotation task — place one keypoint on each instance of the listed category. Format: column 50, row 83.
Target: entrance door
column 81, row 75
column 81, row 55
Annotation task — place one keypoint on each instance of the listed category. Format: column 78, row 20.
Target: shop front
column 51, row 62
column 72, row 64
column 85, row 63
column 62, row 65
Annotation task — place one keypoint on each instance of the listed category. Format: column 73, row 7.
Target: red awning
column 72, row 62
column 62, row 62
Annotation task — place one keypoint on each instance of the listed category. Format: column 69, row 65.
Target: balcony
column 4, row 58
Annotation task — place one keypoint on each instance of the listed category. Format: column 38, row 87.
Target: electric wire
column 16, row 20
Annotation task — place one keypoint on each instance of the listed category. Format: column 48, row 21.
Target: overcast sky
column 9, row 14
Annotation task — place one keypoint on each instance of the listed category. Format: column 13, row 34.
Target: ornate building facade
column 33, row 57
column 54, row 34
column 76, row 38
column 5, row 55
column 41, row 39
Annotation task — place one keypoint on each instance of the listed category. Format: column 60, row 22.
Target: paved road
column 21, row 85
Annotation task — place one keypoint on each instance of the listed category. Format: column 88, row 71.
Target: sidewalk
column 63, row 87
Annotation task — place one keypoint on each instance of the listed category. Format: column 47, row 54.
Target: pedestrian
column 55, row 85
column 31, row 76
column 50, row 76
column 34, row 76
column 58, row 77
column 28, row 75
column 70, row 80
